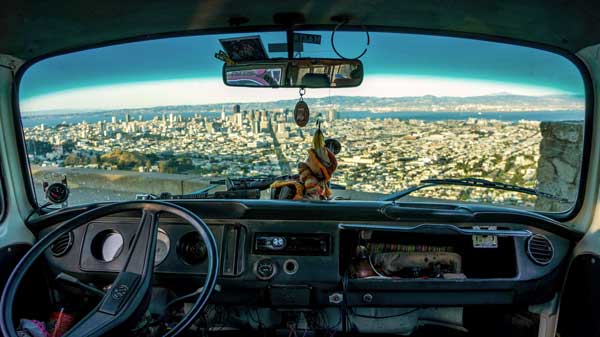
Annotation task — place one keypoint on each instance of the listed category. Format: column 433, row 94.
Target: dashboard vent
column 540, row 249
column 62, row 245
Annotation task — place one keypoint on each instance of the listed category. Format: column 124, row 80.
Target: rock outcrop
column 559, row 166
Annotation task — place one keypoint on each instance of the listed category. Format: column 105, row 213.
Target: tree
column 175, row 165
column 74, row 159
column 124, row 160
column 68, row 146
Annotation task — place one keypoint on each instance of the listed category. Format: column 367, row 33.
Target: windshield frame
column 573, row 58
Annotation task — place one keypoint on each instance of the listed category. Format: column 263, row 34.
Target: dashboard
column 298, row 254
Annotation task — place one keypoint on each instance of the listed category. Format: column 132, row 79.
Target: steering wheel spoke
column 131, row 285
column 136, row 276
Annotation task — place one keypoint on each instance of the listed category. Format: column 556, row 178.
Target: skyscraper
column 332, row 115
column 237, row 116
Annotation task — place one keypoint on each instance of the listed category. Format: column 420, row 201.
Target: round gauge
column 57, row 193
column 191, row 248
column 163, row 245
column 107, row 245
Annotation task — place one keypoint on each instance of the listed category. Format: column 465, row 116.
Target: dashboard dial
column 107, row 245
column 163, row 246
column 113, row 244
column 57, row 193
column 191, row 248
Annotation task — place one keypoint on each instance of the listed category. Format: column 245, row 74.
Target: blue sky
column 184, row 71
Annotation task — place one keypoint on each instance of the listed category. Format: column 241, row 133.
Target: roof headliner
column 29, row 30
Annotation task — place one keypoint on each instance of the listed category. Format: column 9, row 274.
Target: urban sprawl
column 378, row 155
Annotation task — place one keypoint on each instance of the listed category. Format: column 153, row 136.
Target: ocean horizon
column 428, row 116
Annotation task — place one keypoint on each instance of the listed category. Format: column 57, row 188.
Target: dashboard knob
column 278, row 242
column 265, row 269
column 336, row 298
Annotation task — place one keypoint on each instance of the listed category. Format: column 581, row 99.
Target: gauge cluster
column 107, row 246
column 179, row 248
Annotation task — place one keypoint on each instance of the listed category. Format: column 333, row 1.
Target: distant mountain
column 57, row 112
column 501, row 102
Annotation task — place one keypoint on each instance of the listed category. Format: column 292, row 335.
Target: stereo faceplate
column 292, row 244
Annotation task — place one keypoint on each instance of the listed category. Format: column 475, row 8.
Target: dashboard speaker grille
column 62, row 245
column 540, row 249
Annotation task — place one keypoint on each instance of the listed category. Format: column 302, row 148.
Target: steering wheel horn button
column 119, row 293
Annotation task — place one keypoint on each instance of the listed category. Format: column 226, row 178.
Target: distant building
column 237, row 116
column 209, row 127
column 264, row 125
column 280, row 128
column 332, row 115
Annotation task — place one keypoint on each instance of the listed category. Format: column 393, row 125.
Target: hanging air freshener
column 301, row 111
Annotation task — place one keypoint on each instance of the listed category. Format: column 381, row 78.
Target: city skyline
column 498, row 101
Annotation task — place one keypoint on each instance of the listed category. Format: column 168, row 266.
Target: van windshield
column 154, row 116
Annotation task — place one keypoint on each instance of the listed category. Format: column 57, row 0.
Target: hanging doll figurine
column 314, row 174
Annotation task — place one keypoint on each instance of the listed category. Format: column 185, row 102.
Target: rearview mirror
column 295, row 73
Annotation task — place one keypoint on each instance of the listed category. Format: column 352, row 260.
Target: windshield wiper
column 473, row 182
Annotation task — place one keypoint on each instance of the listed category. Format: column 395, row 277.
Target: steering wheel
column 133, row 283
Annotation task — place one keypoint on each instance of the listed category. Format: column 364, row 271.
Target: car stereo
column 292, row 243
